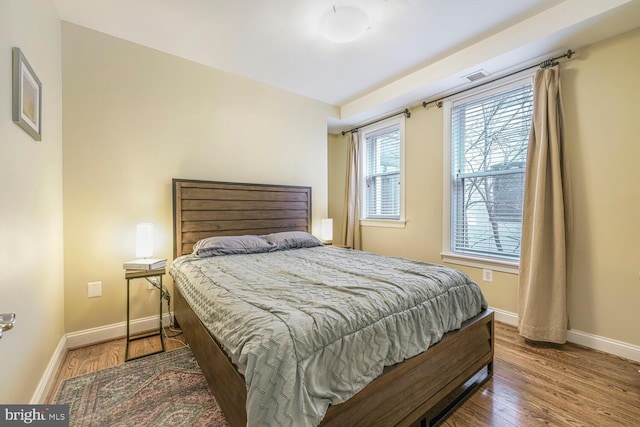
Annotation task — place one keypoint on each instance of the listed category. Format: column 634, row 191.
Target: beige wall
column 134, row 118
column 600, row 95
column 31, row 283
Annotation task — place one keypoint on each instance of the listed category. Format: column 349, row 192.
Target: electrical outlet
column 94, row 289
column 487, row 275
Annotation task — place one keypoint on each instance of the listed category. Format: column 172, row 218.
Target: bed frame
column 420, row 391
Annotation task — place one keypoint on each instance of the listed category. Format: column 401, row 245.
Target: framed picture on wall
column 27, row 96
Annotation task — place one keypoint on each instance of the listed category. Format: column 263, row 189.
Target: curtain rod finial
column 437, row 102
column 569, row 54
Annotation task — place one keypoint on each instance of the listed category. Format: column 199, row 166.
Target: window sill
column 390, row 223
column 492, row 264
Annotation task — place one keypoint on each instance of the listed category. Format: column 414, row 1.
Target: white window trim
column 505, row 266
column 490, row 263
column 391, row 223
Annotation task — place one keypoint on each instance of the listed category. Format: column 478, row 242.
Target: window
column 382, row 147
column 489, row 135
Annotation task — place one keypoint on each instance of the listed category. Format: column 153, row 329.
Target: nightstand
column 148, row 275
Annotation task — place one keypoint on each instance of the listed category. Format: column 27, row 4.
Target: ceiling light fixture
column 343, row 24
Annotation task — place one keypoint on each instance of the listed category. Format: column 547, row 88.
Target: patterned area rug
column 166, row 389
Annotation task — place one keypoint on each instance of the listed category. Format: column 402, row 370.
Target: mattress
column 312, row 327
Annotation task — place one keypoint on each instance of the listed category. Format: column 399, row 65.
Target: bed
column 420, row 390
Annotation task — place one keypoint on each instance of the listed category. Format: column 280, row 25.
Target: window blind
column 382, row 174
column 489, row 152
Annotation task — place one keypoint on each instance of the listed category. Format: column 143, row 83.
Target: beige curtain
column 351, row 217
column 543, row 282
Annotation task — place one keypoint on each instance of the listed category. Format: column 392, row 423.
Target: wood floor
column 533, row 385
column 552, row 385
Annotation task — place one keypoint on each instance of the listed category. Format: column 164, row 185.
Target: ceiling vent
column 476, row 75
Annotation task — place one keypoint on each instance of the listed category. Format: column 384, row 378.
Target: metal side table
column 148, row 275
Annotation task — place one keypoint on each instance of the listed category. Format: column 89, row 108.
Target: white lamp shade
column 326, row 233
column 343, row 24
column 144, row 240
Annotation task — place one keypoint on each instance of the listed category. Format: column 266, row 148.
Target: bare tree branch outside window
column 489, row 150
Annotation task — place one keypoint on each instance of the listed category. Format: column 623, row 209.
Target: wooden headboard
column 209, row 208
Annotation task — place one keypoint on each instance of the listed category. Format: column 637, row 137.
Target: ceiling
column 414, row 49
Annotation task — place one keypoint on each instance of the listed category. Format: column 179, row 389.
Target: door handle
column 7, row 321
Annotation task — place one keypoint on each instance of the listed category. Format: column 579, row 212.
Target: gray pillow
column 292, row 240
column 230, row 245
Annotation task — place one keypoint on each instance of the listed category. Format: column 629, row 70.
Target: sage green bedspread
column 311, row 327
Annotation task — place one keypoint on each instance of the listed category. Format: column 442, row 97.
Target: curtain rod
column 406, row 113
column 544, row 64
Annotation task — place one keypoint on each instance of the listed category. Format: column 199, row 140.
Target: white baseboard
column 607, row 345
column 113, row 331
column 505, row 317
column 88, row 337
column 49, row 376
